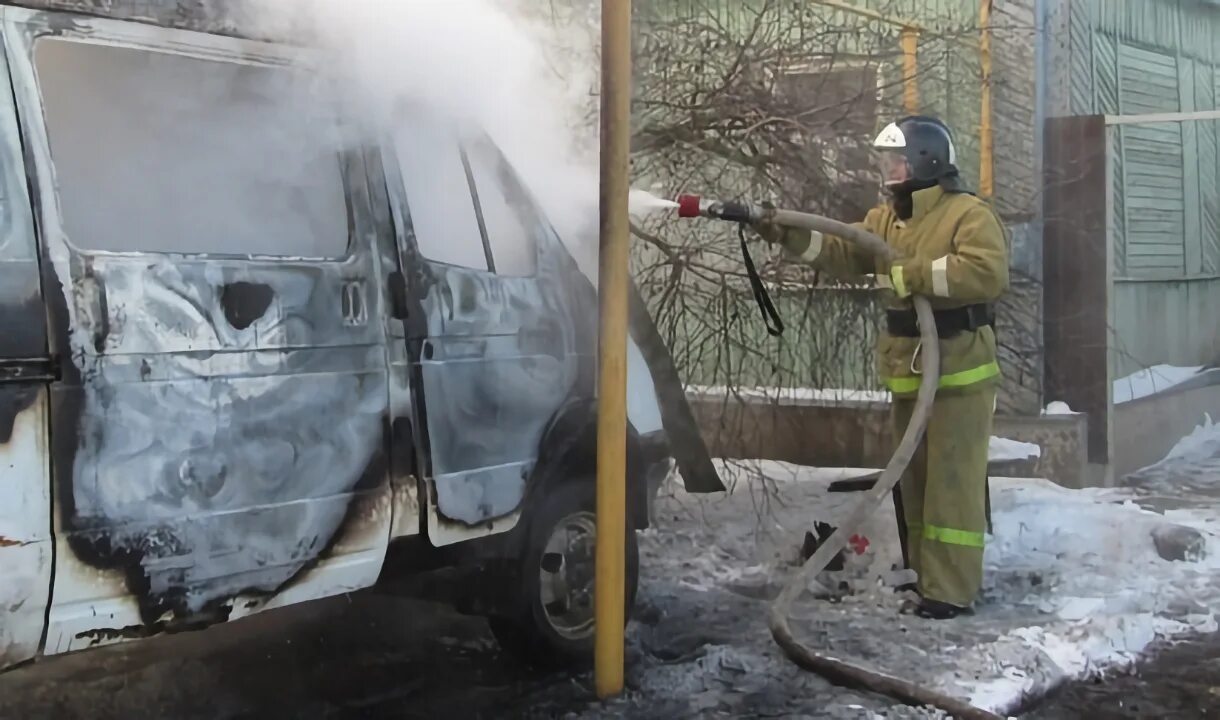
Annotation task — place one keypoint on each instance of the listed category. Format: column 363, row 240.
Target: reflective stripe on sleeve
column 815, row 247
column 899, row 280
column 940, row 277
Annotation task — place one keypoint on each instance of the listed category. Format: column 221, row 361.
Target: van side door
column 26, row 369
column 493, row 331
column 219, row 433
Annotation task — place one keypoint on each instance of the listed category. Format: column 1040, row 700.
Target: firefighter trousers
column 944, row 494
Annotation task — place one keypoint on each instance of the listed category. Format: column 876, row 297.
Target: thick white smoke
column 529, row 83
column 474, row 61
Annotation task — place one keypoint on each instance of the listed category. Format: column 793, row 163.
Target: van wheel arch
column 568, row 454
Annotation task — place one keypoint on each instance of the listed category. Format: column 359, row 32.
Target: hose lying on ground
column 838, row 671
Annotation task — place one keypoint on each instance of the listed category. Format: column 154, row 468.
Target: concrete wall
column 1063, row 439
column 828, row 434
column 1168, row 322
column 857, row 434
column 1145, row 430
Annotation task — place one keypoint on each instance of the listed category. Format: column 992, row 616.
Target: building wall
column 859, row 434
column 1140, row 58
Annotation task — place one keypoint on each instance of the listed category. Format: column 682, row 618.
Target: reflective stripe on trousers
column 964, row 378
column 951, row 536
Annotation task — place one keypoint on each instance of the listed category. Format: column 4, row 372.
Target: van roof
column 215, row 17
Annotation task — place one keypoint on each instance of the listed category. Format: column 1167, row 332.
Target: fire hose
column 836, row 670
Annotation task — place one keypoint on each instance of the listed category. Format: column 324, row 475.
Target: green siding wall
column 1148, row 57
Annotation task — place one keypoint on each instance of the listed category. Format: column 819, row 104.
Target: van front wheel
column 554, row 624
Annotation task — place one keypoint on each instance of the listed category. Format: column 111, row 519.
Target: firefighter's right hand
column 771, row 233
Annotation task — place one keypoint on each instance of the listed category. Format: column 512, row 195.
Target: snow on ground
column 1149, row 381
column 1074, row 587
column 1059, row 408
column 1082, row 573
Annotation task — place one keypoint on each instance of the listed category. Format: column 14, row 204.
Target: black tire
column 529, row 634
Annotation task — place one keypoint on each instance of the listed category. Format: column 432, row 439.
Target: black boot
column 813, row 542
column 937, row 610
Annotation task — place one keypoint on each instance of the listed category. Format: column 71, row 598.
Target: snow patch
column 1059, row 408
column 1150, row 381
column 1003, row 449
column 1078, row 608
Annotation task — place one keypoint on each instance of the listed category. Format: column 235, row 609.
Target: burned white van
column 246, row 362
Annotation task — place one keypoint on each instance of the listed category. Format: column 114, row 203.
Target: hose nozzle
column 692, row 206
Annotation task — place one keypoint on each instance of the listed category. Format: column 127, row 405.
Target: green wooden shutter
column 1155, row 222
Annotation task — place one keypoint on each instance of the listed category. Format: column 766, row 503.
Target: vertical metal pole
column 986, row 138
column 910, row 70
column 609, row 587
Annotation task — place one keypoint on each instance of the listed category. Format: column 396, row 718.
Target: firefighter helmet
column 917, row 149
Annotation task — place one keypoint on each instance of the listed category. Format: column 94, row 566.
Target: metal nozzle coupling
column 690, row 206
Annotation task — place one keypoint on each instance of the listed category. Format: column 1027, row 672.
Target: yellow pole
column 610, row 582
column 910, row 69
column 986, row 139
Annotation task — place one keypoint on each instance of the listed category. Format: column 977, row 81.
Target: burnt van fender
column 568, row 453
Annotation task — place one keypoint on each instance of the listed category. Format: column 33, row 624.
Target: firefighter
column 952, row 251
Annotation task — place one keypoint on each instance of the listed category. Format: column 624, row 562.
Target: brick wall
column 1018, row 195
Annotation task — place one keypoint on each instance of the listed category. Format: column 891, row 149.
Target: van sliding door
column 220, row 429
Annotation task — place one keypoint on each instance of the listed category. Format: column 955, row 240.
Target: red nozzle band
column 688, row 206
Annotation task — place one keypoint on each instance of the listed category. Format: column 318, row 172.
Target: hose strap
column 775, row 325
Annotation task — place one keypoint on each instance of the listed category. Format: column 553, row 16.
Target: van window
column 156, row 152
column 438, row 193
column 512, row 229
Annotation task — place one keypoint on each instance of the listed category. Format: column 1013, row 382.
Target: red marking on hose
column 859, row 543
column 688, row 206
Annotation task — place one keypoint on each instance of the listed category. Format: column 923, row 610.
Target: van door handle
column 354, row 307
